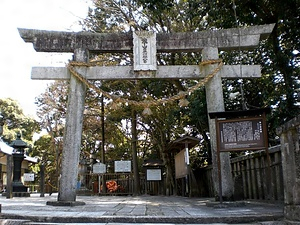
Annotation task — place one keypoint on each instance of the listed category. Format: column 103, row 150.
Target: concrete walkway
column 141, row 210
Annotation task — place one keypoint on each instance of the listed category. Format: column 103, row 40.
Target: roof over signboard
column 183, row 142
column 153, row 163
column 241, row 113
column 8, row 150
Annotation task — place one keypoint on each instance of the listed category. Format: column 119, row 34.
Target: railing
column 35, row 188
column 116, row 183
column 123, row 184
column 32, row 187
column 253, row 177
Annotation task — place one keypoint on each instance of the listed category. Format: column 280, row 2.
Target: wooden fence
column 253, row 177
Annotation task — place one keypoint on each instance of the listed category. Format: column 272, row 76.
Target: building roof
column 185, row 141
column 240, row 113
column 6, row 149
column 153, row 163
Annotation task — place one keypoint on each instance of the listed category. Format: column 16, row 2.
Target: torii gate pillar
column 72, row 133
column 215, row 103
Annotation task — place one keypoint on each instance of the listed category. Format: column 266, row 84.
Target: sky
column 17, row 57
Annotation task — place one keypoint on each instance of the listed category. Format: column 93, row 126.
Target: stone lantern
column 18, row 156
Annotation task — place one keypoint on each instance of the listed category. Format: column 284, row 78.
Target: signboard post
column 99, row 168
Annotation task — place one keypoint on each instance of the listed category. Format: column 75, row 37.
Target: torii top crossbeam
column 227, row 39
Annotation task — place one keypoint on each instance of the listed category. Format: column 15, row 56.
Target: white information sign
column 99, row 168
column 153, row 174
column 28, row 176
column 122, row 166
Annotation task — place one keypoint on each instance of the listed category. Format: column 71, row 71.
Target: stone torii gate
column 83, row 43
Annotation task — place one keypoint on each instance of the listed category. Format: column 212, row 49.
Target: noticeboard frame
column 243, row 145
column 153, row 174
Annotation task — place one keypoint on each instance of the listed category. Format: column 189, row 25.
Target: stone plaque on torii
column 82, row 43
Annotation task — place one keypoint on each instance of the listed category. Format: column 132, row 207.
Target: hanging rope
column 117, row 100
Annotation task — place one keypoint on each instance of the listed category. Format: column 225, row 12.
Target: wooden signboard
column 181, row 169
column 241, row 134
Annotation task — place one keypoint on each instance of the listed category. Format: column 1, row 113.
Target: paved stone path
column 141, row 209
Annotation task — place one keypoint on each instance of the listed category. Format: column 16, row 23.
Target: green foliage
column 52, row 107
column 48, row 155
column 16, row 122
column 278, row 87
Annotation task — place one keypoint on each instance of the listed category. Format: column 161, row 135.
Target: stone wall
column 290, row 150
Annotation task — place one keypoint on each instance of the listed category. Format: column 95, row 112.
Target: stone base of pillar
column 17, row 194
column 65, row 203
column 224, row 198
column 226, row 204
column 290, row 223
column 292, row 213
column 21, row 194
column 19, row 188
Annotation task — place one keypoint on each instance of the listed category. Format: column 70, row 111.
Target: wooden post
column 42, row 180
column 10, row 168
column 104, row 189
column 137, row 190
